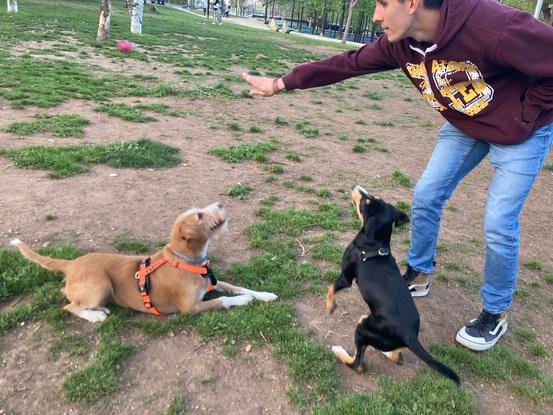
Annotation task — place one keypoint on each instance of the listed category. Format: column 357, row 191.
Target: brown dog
column 170, row 282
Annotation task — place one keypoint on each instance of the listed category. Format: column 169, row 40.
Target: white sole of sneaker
column 420, row 293
column 480, row 347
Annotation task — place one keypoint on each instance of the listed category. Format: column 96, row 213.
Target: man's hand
column 263, row 86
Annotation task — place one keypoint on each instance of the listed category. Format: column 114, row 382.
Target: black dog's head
column 377, row 217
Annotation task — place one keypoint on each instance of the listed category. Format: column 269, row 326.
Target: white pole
column 539, row 5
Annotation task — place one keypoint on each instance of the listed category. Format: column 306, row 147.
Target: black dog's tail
column 419, row 351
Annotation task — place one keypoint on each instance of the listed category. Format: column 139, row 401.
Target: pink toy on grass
column 125, row 46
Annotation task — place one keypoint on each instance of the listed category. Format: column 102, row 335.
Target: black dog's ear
column 401, row 218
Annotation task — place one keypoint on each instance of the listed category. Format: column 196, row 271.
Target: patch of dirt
column 178, row 365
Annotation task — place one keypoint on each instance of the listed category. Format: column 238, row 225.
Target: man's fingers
column 247, row 77
column 257, row 92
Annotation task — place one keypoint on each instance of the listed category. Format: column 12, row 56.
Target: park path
column 257, row 24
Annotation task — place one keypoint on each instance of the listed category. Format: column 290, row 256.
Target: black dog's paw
column 330, row 307
column 330, row 303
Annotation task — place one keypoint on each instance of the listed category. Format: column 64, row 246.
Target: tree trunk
column 136, row 18
column 12, row 6
column 352, row 4
column 105, row 18
column 547, row 15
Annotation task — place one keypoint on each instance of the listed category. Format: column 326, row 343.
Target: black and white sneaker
column 482, row 333
column 418, row 282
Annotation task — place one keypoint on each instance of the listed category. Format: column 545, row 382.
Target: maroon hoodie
column 490, row 72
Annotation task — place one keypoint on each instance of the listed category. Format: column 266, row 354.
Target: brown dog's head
column 377, row 217
column 194, row 228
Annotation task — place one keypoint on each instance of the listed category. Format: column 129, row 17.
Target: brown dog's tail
column 46, row 262
column 419, row 351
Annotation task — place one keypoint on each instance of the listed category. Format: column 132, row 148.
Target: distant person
column 488, row 70
column 217, row 13
column 227, row 11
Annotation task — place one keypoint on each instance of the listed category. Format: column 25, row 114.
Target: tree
column 352, row 4
column 529, row 6
column 12, row 6
column 105, row 18
column 136, row 17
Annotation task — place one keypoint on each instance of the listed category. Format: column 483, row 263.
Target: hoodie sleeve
column 526, row 45
column 373, row 57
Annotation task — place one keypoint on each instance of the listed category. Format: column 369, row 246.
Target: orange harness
column 146, row 268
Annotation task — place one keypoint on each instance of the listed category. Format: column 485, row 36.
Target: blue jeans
column 516, row 167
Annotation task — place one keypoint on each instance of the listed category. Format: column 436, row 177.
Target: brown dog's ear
column 190, row 231
column 401, row 218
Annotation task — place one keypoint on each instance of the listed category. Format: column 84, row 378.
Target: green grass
column 375, row 96
column 255, row 129
column 533, row 264
column 277, row 235
column 422, row 394
column 402, row 179
column 234, row 126
column 500, row 364
column 242, row 152
column 20, row 276
column 177, row 406
column 452, row 266
column 405, row 206
column 306, row 129
column 98, row 377
column 171, row 37
column 240, row 191
column 70, row 160
column 293, row 156
column 549, row 278
column 323, row 247
column 270, row 200
column 384, row 123
column 125, row 112
column 275, row 169
column 280, row 122
column 73, row 345
column 58, row 125
column 323, row 193
column 128, row 244
column 530, row 340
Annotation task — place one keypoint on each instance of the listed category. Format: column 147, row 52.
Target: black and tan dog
column 394, row 321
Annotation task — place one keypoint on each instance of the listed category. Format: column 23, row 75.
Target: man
column 488, row 69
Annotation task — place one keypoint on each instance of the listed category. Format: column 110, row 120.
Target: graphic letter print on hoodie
column 417, row 71
column 461, row 83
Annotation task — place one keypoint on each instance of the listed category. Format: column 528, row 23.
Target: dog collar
column 382, row 251
column 195, row 261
